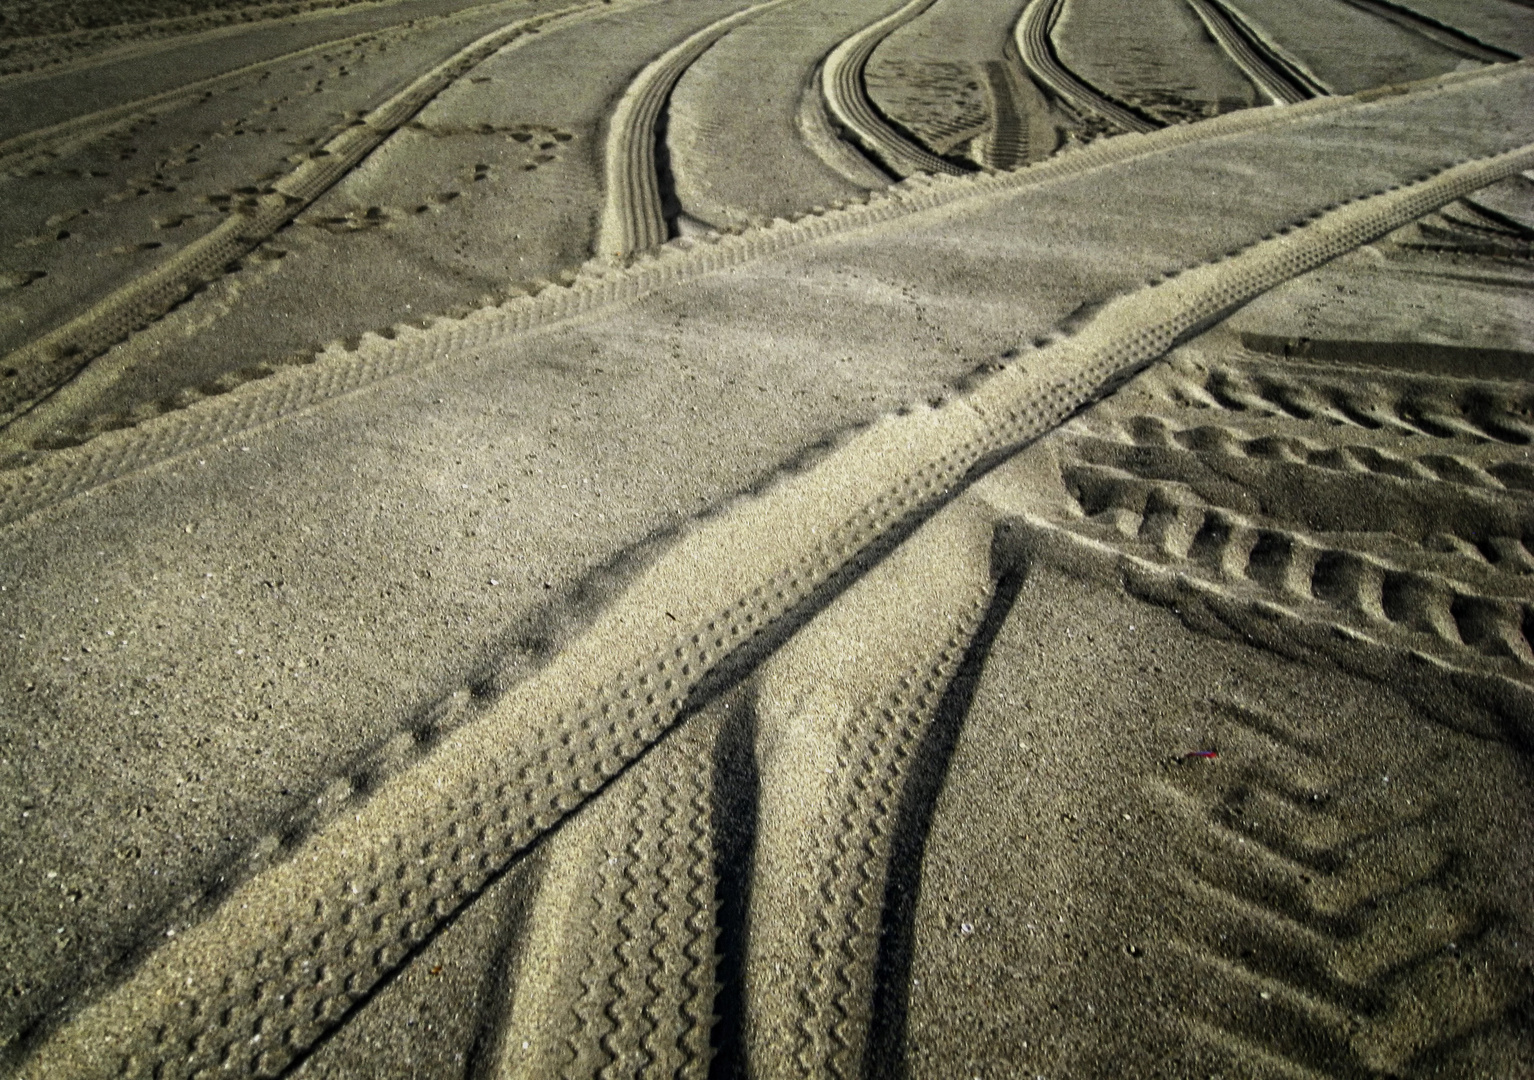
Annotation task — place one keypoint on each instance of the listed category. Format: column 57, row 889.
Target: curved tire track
column 1282, row 82
column 35, row 369
column 632, row 216
column 622, row 976
column 1441, row 34
column 846, row 97
column 841, row 712
column 1038, row 54
column 294, row 951
column 43, row 479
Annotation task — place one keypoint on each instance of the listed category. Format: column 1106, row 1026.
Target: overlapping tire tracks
column 45, row 478
column 294, row 952
column 1281, row 80
column 35, row 369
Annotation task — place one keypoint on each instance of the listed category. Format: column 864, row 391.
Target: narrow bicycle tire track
column 291, row 953
column 38, row 367
column 846, row 97
column 621, row 979
column 1275, row 77
column 1441, row 34
column 633, row 219
column 44, row 479
column 1037, row 50
column 840, row 712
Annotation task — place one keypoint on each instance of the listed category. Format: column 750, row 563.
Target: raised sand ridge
column 998, row 625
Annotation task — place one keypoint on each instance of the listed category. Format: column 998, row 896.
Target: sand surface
column 689, row 537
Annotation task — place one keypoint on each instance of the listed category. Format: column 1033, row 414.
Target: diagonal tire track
column 310, row 940
column 37, row 368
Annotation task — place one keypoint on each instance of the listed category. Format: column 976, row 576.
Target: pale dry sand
column 766, row 655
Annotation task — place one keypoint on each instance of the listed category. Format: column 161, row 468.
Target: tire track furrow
column 455, row 813
column 632, row 217
column 1037, row 49
column 846, row 97
column 40, row 479
column 35, row 369
column 644, row 956
column 1280, row 81
column 1440, row 34
column 846, row 928
column 22, row 151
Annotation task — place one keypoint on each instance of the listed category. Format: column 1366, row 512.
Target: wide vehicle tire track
column 1037, row 50
column 38, row 367
column 1343, row 904
column 846, row 97
column 41, row 480
column 293, row 952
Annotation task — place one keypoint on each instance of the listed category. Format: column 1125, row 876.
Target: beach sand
column 683, row 537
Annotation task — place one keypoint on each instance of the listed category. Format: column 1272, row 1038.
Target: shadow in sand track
column 736, row 790
column 892, row 970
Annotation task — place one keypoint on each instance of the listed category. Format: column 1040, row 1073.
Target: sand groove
column 1346, row 908
column 846, row 96
column 1282, row 82
column 308, row 941
column 38, row 367
column 621, row 979
column 339, row 370
column 835, row 769
column 44, row 144
column 1038, row 54
column 1441, row 34
column 632, row 216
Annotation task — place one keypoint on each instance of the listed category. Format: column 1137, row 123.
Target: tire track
column 619, row 979
column 846, row 97
column 25, row 149
column 40, row 366
column 1441, row 34
column 1357, row 907
column 44, row 144
column 43, row 479
column 840, row 713
column 1038, row 55
column 1282, row 81
column 293, row 952
column 633, row 219
column 1012, row 138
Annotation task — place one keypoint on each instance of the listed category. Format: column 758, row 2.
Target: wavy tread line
column 36, row 368
column 1457, row 469
column 362, row 896
column 1299, row 567
column 873, row 753
column 1036, row 46
column 1328, row 625
column 1282, row 82
column 1353, row 944
column 632, row 217
column 846, row 97
column 653, row 987
column 41, row 479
